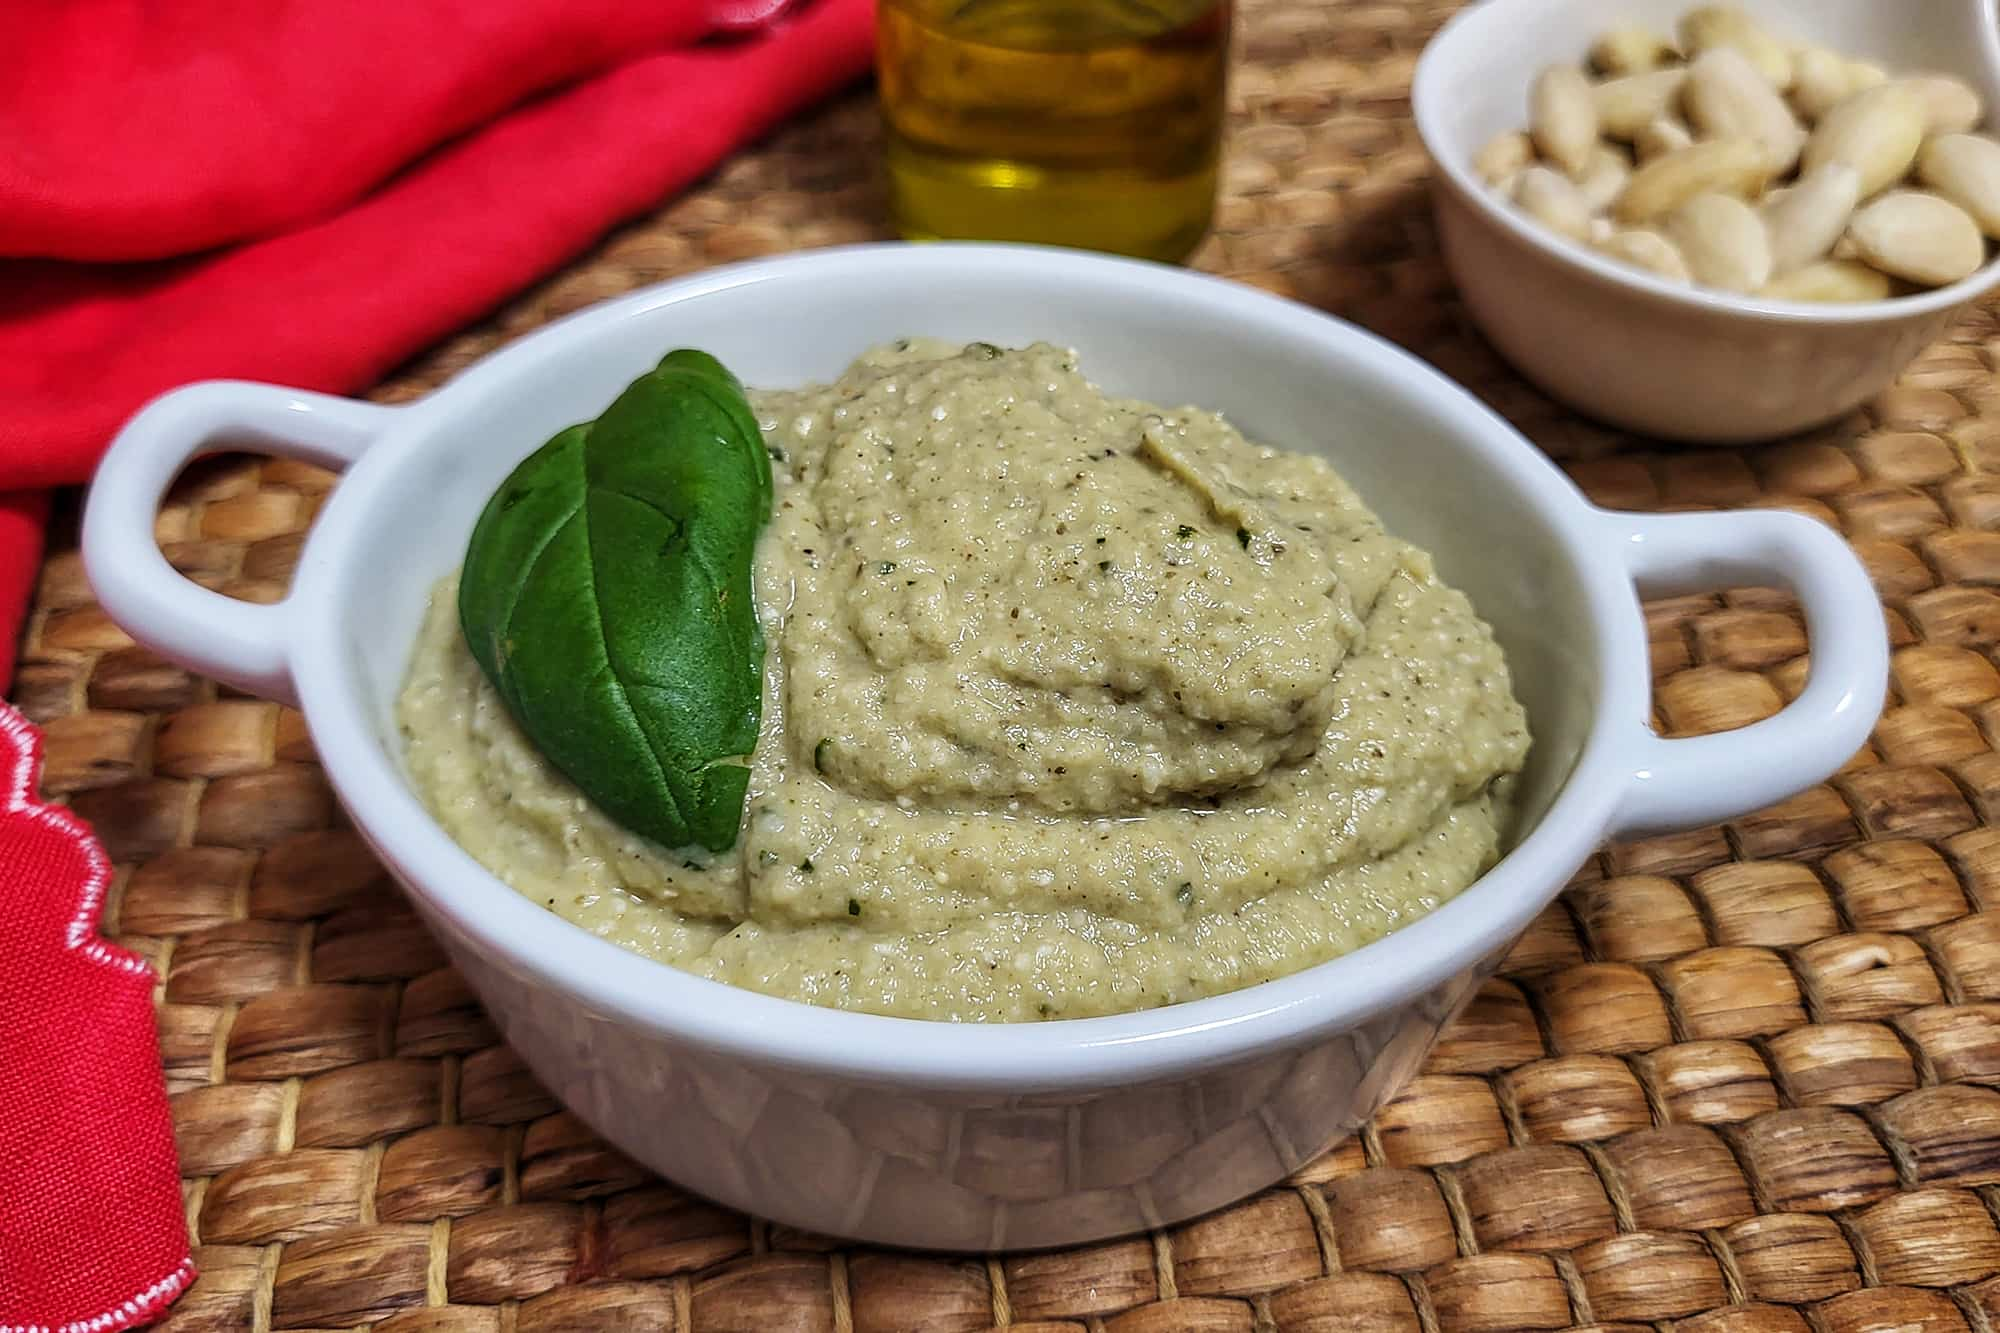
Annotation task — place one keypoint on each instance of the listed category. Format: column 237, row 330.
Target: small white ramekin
column 1622, row 345
column 973, row 1137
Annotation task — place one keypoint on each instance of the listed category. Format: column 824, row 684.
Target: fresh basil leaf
column 607, row 595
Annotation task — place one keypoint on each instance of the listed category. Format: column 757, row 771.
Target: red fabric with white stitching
column 91, row 1232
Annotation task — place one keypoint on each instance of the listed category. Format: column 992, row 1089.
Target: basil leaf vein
column 607, row 595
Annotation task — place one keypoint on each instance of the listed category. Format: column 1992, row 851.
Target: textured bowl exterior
column 939, row 1169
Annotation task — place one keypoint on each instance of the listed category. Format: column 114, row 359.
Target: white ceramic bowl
column 974, row 1137
column 1624, row 346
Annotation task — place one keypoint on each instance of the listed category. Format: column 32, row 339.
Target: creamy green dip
column 1074, row 706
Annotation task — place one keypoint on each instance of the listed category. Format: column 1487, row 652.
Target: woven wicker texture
column 1741, row 1079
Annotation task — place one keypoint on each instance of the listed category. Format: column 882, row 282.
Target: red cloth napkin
column 91, row 1233
column 305, row 192
column 230, row 140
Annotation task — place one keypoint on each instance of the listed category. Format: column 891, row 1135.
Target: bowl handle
column 239, row 643
column 1687, row 783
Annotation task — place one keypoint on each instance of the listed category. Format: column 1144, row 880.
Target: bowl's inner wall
column 1402, row 438
column 1484, row 65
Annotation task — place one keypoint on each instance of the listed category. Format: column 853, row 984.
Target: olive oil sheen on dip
column 1088, row 123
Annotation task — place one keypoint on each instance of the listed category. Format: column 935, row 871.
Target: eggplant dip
column 1043, row 704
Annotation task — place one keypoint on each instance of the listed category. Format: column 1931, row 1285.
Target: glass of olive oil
column 1087, row 123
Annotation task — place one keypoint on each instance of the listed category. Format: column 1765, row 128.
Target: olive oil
column 1087, row 123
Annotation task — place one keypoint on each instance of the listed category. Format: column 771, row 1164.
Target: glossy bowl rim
column 1459, row 937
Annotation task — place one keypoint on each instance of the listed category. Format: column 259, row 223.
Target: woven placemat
column 1736, row 1079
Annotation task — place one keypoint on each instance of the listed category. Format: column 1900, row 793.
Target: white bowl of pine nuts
column 1715, row 223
